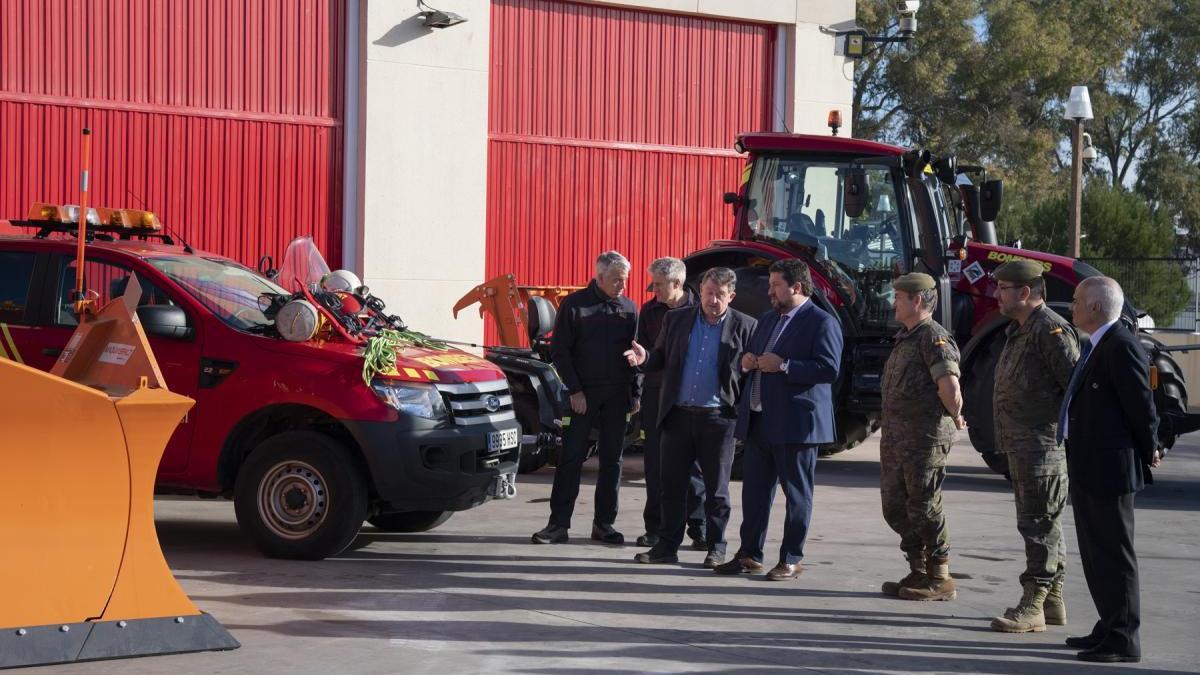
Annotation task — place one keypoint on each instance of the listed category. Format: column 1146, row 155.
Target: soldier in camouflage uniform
column 922, row 408
column 1035, row 367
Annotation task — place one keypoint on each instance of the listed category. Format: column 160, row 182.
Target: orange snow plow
column 82, row 576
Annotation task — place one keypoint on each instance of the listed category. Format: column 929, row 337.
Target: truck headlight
column 411, row 398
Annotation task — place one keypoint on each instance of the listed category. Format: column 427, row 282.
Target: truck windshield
column 229, row 290
column 798, row 202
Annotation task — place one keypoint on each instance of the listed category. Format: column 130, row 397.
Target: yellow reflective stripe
column 3, row 354
column 431, row 375
column 11, row 344
column 412, row 372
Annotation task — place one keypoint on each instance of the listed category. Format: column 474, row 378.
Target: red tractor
column 862, row 213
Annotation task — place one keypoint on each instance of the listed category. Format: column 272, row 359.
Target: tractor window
column 16, row 276
column 798, row 202
column 107, row 281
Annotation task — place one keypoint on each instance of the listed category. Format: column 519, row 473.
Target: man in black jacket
column 698, row 352
column 1109, row 424
column 667, row 276
column 594, row 328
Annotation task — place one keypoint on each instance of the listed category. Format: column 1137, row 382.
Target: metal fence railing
column 1168, row 289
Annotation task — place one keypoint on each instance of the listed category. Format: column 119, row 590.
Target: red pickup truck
column 289, row 430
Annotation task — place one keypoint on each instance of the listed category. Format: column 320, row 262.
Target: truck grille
column 478, row 402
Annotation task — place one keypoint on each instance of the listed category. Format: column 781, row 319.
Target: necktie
column 1071, row 387
column 756, row 384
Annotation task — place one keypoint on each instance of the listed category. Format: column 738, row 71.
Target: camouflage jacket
column 913, row 415
column 1031, row 377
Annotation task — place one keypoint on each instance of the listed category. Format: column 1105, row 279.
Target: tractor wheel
column 852, row 431
column 977, row 397
column 1170, row 398
column 533, row 457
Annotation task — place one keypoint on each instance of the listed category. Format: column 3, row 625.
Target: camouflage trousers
column 1039, row 482
column 910, row 484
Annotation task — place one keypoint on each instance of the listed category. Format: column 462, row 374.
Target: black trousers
column 691, row 437
column 606, row 410
column 652, row 449
column 1105, row 529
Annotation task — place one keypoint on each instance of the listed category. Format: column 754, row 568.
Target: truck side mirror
column 991, row 193
column 855, row 190
column 169, row 321
column 970, row 199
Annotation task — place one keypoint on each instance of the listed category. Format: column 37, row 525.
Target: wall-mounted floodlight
column 436, row 18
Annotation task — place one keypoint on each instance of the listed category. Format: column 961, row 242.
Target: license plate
column 503, row 440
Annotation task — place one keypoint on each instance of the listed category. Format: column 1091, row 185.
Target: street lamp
column 1079, row 108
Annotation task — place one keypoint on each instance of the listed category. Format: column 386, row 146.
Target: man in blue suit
column 784, row 414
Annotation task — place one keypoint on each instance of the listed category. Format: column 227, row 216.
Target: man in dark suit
column 591, row 332
column 1109, row 424
column 697, row 352
column 786, row 413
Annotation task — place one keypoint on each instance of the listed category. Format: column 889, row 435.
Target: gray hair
column 721, row 276
column 929, row 299
column 671, row 268
column 610, row 259
column 1107, row 294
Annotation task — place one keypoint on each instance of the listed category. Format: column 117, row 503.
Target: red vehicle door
column 178, row 358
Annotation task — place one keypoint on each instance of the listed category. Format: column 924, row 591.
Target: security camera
column 907, row 9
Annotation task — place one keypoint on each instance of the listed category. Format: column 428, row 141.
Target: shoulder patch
column 1056, row 330
column 939, row 342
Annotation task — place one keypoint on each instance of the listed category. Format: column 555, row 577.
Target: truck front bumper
column 417, row 466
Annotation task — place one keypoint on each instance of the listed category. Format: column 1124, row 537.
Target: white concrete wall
column 425, row 162
column 424, row 139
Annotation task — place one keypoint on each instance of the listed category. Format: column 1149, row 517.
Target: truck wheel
column 409, row 521
column 852, row 431
column 977, row 390
column 1170, row 398
column 532, row 456
column 300, row 495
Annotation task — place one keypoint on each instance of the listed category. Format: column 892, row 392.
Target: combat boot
column 916, row 577
column 937, row 584
column 1055, row 607
column 1027, row 616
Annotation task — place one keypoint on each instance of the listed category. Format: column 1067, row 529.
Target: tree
column 1118, row 226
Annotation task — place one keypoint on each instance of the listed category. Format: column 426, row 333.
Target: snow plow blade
column 83, row 576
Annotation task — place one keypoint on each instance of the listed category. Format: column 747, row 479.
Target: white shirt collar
column 1096, row 336
column 792, row 312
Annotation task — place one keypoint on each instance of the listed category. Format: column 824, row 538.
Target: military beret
column 1018, row 271
column 914, row 282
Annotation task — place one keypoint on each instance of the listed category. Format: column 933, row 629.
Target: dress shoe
column 739, row 565
column 1102, row 654
column 713, row 560
column 551, row 534
column 1084, row 642
column 656, row 557
column 648, row 539
column 607, row 534
column 783, row 572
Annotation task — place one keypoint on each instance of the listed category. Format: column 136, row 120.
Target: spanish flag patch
column 1056, row 331
column 939, row 343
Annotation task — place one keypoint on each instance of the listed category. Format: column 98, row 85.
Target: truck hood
column 413, row 364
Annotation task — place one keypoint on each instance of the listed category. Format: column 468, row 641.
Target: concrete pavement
column 476, row 596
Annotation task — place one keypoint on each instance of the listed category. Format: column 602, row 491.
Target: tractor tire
column 977, row 389
column 532, row 456
column 1170, row 398
column 300, row 495
column 852, row 431
column 409, row 521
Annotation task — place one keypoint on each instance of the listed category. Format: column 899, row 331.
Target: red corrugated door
column 223, row 116
column 612, row 128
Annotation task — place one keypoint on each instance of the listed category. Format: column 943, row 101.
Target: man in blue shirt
column 698, row 351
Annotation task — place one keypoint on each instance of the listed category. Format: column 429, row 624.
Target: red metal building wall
column 223, row 116
column 612, row 128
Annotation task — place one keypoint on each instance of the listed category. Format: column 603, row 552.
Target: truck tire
column 852, row 431
column 977, row 389
column 533, row 457
column 300, row 495
column 409, row 521
column 1170, row 398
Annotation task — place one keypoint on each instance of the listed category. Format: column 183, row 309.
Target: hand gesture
column 960, row 422
column 769, row 362
column 749, row 362
column 1157, row 461
column 636, row 406
column 635, row 355
column 579, row 403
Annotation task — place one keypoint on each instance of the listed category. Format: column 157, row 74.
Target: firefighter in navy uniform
column 594, row 328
